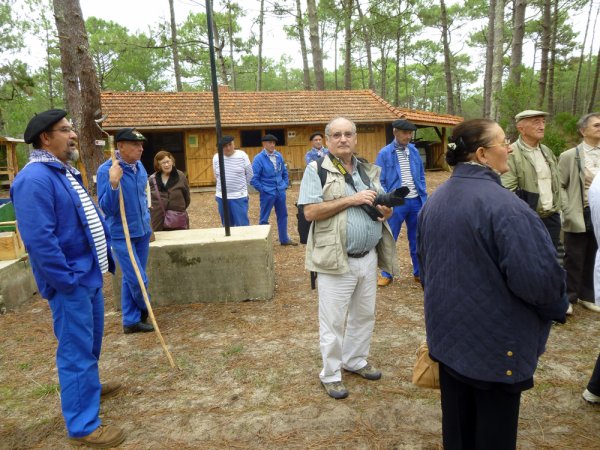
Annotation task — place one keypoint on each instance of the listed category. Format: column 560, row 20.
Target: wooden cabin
column 8, row 161
column 184, row 124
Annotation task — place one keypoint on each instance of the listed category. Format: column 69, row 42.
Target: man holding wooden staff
column 69, row 251
column 126, row 172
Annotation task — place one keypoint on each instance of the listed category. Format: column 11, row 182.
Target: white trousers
column 594, row 202
column 347, row 299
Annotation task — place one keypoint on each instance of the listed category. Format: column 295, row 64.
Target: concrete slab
column 17, row 284
column 205, row 266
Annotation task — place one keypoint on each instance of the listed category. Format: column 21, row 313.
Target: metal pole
column 215, row 89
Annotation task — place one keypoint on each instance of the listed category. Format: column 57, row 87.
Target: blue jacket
column 134, row 196
column 491, row 278
column 55, row 231
column 391, row 178
column 266, row 178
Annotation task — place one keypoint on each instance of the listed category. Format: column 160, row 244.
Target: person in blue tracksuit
column 128, row 174
column 270, row 179
column 401, row 165
column 68, row 246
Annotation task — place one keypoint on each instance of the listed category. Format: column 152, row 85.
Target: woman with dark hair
column 492, row 287
column 169, row 188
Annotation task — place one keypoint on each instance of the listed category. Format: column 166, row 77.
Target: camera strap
column 347, row 176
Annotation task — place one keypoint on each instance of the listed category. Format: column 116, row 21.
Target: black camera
column 391, row 199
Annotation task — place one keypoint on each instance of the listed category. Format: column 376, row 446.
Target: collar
column 588, row 148
column 45, row 156
column 125, row 163
column 523, row 145
column 475, row 170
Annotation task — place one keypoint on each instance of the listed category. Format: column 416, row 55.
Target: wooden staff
column 134, row 262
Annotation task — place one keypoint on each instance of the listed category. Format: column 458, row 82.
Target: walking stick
column 138, row 275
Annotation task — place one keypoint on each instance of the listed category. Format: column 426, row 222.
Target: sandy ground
column 248, row 372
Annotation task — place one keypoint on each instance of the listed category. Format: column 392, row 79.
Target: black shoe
column 290, row 242
column 139, row 327
column 144, row 317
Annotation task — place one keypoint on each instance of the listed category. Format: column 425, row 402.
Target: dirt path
column 249, row 375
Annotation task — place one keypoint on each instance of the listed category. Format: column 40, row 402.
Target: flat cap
column 129, row 134
column 402, row 124
column 529, row 113
column 314, row 135
column 226, row 139
column 42, row 122
column 269, row 137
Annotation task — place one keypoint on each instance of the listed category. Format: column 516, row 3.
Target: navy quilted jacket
column 492, row 282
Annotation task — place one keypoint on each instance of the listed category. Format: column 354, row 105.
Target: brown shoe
column 105, row 436
column 383, row 281
column 110, row 389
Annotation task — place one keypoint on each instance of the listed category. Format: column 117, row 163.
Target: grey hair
column 328, row 127
column 583, row 122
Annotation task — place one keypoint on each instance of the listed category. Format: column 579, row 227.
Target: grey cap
column 529, row 113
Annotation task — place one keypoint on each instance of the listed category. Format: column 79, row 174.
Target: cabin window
column 252, row 138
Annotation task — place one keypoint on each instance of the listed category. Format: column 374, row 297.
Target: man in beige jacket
column 578, row 166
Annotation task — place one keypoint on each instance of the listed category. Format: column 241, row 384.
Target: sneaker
column 110, row 389
column 383, row 281
column 590, row 398
column 336, row 389
column 368, row 372
column 570, row 309
column 139, row 327
column 589, row 305
column 290, row 242
column 105, row 436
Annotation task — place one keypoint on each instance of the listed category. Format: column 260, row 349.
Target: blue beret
column 42, row 122
column 402, row 124
column 269, row 137
column 129, row 134
column 226, row 139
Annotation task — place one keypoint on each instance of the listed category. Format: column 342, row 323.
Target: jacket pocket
column 324, row 251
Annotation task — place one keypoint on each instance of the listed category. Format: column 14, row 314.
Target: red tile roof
column 170, row 110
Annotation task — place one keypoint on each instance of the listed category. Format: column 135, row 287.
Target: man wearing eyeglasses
column 346, row 244
column 68, row 246
column 401, row 165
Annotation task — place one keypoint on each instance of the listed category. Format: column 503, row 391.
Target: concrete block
column 17, row 284
column 205, row 266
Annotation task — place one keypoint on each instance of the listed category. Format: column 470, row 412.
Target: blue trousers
column 238, row 211
column 407, row 213
column 266, row 205
column 132, row 299
column 78, row 319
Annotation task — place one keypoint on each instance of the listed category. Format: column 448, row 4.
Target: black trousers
column 482, row 419
column 552, row 224
column 580, row 255
column 594, row 384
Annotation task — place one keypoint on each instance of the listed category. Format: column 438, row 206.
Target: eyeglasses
column 166, row 163
column 506, row 143
column 338, row 135
column 66, row 130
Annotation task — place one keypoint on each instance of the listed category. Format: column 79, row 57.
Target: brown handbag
column 426, row 373
column 174, row 220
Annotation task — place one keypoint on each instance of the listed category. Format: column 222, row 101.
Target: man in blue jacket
column 401, row 165
column 271, row 180
column 68, row 247
column 128, row 174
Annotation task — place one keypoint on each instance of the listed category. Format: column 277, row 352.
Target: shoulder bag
column 174, row 220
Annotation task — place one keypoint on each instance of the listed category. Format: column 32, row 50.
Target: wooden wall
column 201, row 145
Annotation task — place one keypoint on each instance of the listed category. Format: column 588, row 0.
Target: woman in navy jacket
column 492, row 286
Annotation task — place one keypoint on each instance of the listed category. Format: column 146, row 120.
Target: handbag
column 174, row 220
column 426, row 373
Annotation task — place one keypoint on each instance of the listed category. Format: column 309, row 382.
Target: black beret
column 226, row 140
column 269, row 137
column 129, row 134
column 402, row 124
column 315, row 134
column 41, row 122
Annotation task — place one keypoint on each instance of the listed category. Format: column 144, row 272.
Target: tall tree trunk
column 347, row 6
column 580, row 65
column 447, row 59
column 397, row 77
column 259, row 68
column 545, row 47
column 489, row 62
column 230, row 36
column 300, row 26
column 498, row 65
column 175, row 48
column 516, row 57
column 384, row 59
column 315, row 44
column 588, row 93
column 49, row 69
column 552, row 61
column 335, row 54
column 367, row 39
column 81, row 85
column 219, row 45
column 459, row 110
column 592, row 104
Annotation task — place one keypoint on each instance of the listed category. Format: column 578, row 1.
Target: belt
column 358, row 255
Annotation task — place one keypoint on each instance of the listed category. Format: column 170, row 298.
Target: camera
column 391, row 199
